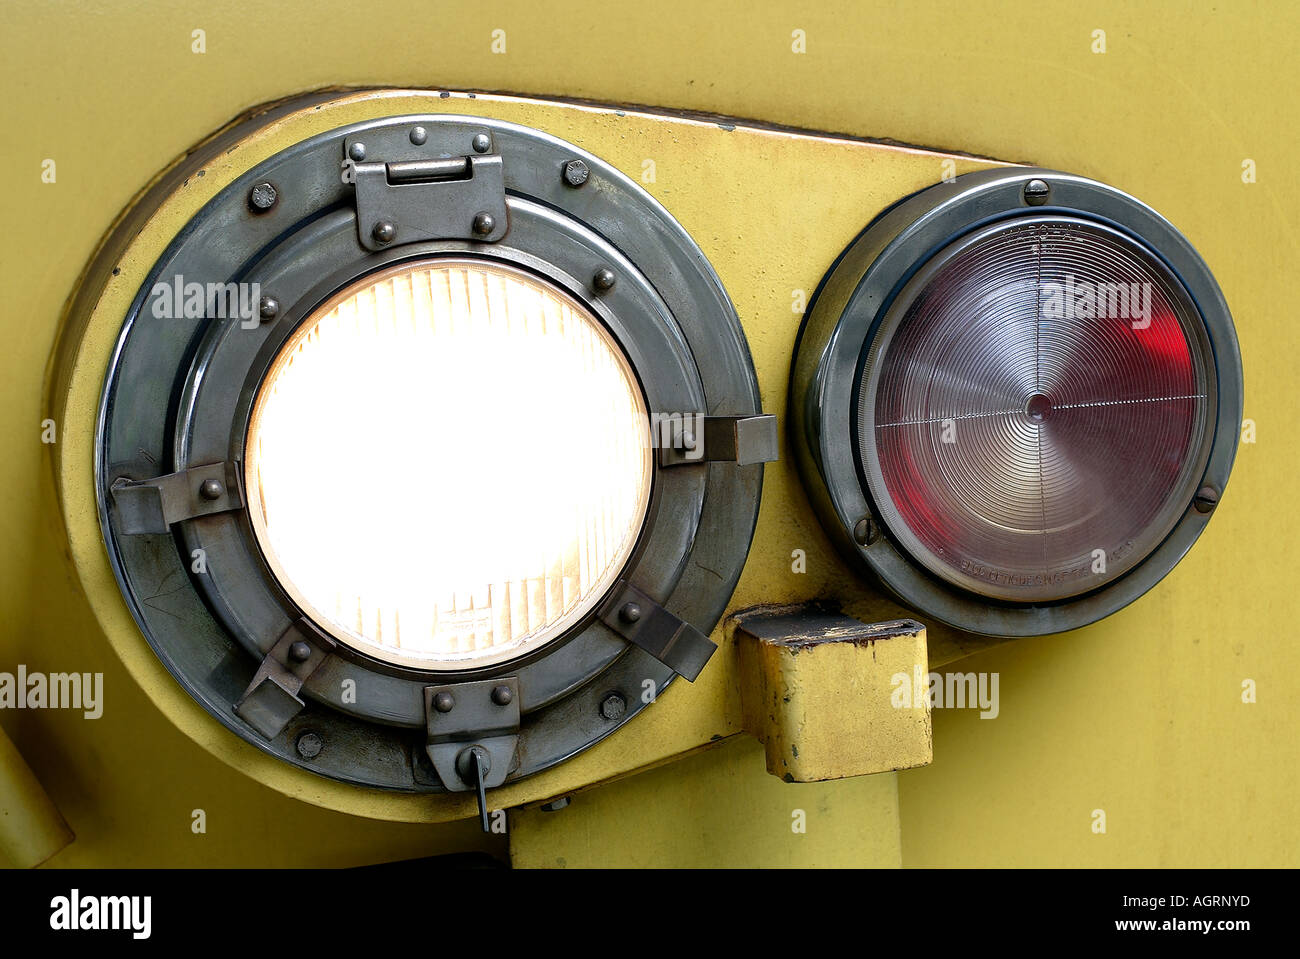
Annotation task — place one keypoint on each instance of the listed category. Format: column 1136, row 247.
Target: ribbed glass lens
column 448, row 464
column 1032, row 415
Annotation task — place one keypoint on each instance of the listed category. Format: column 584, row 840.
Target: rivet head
column 613, row 706
column 1037, row 192
column 299, row 652
column 1207, row 497
column 384, row 231
column 262, row 197
column 575, row 173
column 864, row 531
column 630, row 613
column 419, row 135
column 484, row 223
column 357, row 152
column 444, row 701
column 604, row 279
column 502, row 695
column 309, row 745
column 482, row 143
column 211, row 489
column 268, row 308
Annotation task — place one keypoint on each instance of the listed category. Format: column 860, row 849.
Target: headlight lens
column 448, row 464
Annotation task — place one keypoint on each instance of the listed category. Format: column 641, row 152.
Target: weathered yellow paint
column 717, row 808
column 1140, row 714
column 31, row 828
column 822, row 698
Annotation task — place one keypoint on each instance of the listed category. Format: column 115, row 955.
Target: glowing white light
column 448, row 464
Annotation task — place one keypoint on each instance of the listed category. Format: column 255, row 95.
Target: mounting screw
column 576, row 173
column 357, row 152
column 482, row 143
column 501, row 695
column 1207, row 497
column 384, row 231
column 604, row 279
column 309, row 745
column 211, row 489
column 419, row 135
column 630, row 613
column 299, row 652
column 864, row 531
column 268, row 307
column 555, row 805
column 613, row 706
column 1037, row 192
column 262, row 197
column 444, row 701
column 484, row 223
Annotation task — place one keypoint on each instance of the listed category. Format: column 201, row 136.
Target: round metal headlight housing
column 409, row 447
column 1016, row 400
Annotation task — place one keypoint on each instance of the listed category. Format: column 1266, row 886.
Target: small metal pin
column 482, row 143
column 299, row 652
column 419, row 135
column 357, row 152
column 309, row 745
column 630, row 613
column 484, row 224
column 444, row 702
column 211, row 489
column 604, row 280
column 384, row 231
column 268, row 308
column 501, row 695
column 262, row 197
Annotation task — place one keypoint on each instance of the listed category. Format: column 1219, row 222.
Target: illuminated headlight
column 1020, row 397
column 420, row 478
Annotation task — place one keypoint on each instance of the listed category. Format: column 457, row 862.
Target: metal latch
column 720, row 439
column 641, row 621
column 407, row 192
column 152, row 505
column 473, row 734
column 271, row 699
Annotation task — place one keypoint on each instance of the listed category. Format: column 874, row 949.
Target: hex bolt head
column 309, row 745
column 268, row 308
column 384, row 231
column 262, row 197
column 613, row 706
column 299, row 652
column 211, row 489
column 1207, row 497
column 575, row 173
column 419, row 135
column 482, row 143
column 357, row 152
column 444, row 701
column 864, row 531
column 502, row 695
column 604, row 280
column 630, row 613
column 1037, row 192
column 484, row 224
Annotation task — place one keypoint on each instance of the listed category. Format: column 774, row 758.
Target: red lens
column 1033, row 412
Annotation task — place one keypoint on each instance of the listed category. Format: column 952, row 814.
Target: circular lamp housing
column 1016, row 400
column 377, row 464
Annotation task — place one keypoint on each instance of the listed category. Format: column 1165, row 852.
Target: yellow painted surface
column 31, row 829
column 716, row 808
column 1140, row 715
column 828, row 709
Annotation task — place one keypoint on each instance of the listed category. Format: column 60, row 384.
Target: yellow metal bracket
column 818, row 690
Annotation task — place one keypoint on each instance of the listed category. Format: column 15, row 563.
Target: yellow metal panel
column 1142, row 710
column 31, row 829
column 821, row 693
column 717, row 808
